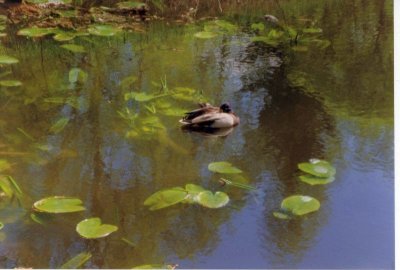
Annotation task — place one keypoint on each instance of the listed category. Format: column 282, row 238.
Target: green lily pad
column 314, row 180
column 77, row 261
column 36, row 32
column 64, row 36
column 74, row 48
column 300, row 205
column 59, row 204
column 223, row 167
column 10, row 83
column 77, row 75
column 319, row 168
column 266, row 40
column 210, row 200
column 281, row 215
column 165, row 198
column 5, row 59
column 103, row 30
column 193, row 192
column 58, row 126
column 205, row 35
column 92, row 228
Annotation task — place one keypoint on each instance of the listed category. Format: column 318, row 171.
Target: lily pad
column 165, row 198
column 226, row 26
column 74, row 48
column 10, row 83
column 5, row 59
column 59, row 204
column 103, row 30
column 314, row 180
column 210, row 200
column 205, row 35
column 77, row 261
column 319, row 168
column 64, row 36
column 92, row 228
column 36, row 32
column 281, row 215
column 300, row 205
column 223, row 167
column 77, row 75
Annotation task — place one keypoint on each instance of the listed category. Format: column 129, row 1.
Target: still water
column 341, row 112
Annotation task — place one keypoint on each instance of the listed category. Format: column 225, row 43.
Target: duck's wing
column 199, row 112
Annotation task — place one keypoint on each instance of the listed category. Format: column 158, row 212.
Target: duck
column 208, row 116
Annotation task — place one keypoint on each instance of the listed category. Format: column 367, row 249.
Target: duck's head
column 226, row 108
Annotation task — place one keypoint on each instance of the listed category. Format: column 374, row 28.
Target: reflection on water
column 99, row 157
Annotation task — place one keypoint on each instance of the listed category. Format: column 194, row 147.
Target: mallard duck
column 211, row 117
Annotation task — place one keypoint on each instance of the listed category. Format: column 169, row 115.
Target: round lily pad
column 210, row 200
column 314, row 180
column 35, row 32
column 58, row 204
column 300, row 205
column 5, row 59
column 319, row 168
column 92, row 228
column 165, row 198
column 223, row 167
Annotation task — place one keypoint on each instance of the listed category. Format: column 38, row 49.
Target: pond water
column 333, row 103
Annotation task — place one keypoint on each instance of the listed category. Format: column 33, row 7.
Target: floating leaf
column 210, row 200
column 319, row 168
column 205, row 35
column 77, row 261
column 59, row 125
column 223, row 167
column 281, row 215
column 64, row 36
column 103, row 30
column 92, row 228
column 36, row 32
column 58, row 204
column 77, row 75
column 165, row 198
column 300, row 205
column 5, row 186
column 5, row 59
column 1, row 225
column 74, row 48
column 314, row 180
column 258, row 26
column 266, row 40
column 10, row 83
column 193, row 192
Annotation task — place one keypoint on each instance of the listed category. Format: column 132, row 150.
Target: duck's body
column 211, row 117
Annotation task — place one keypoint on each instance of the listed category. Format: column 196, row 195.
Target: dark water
column 343, row 114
